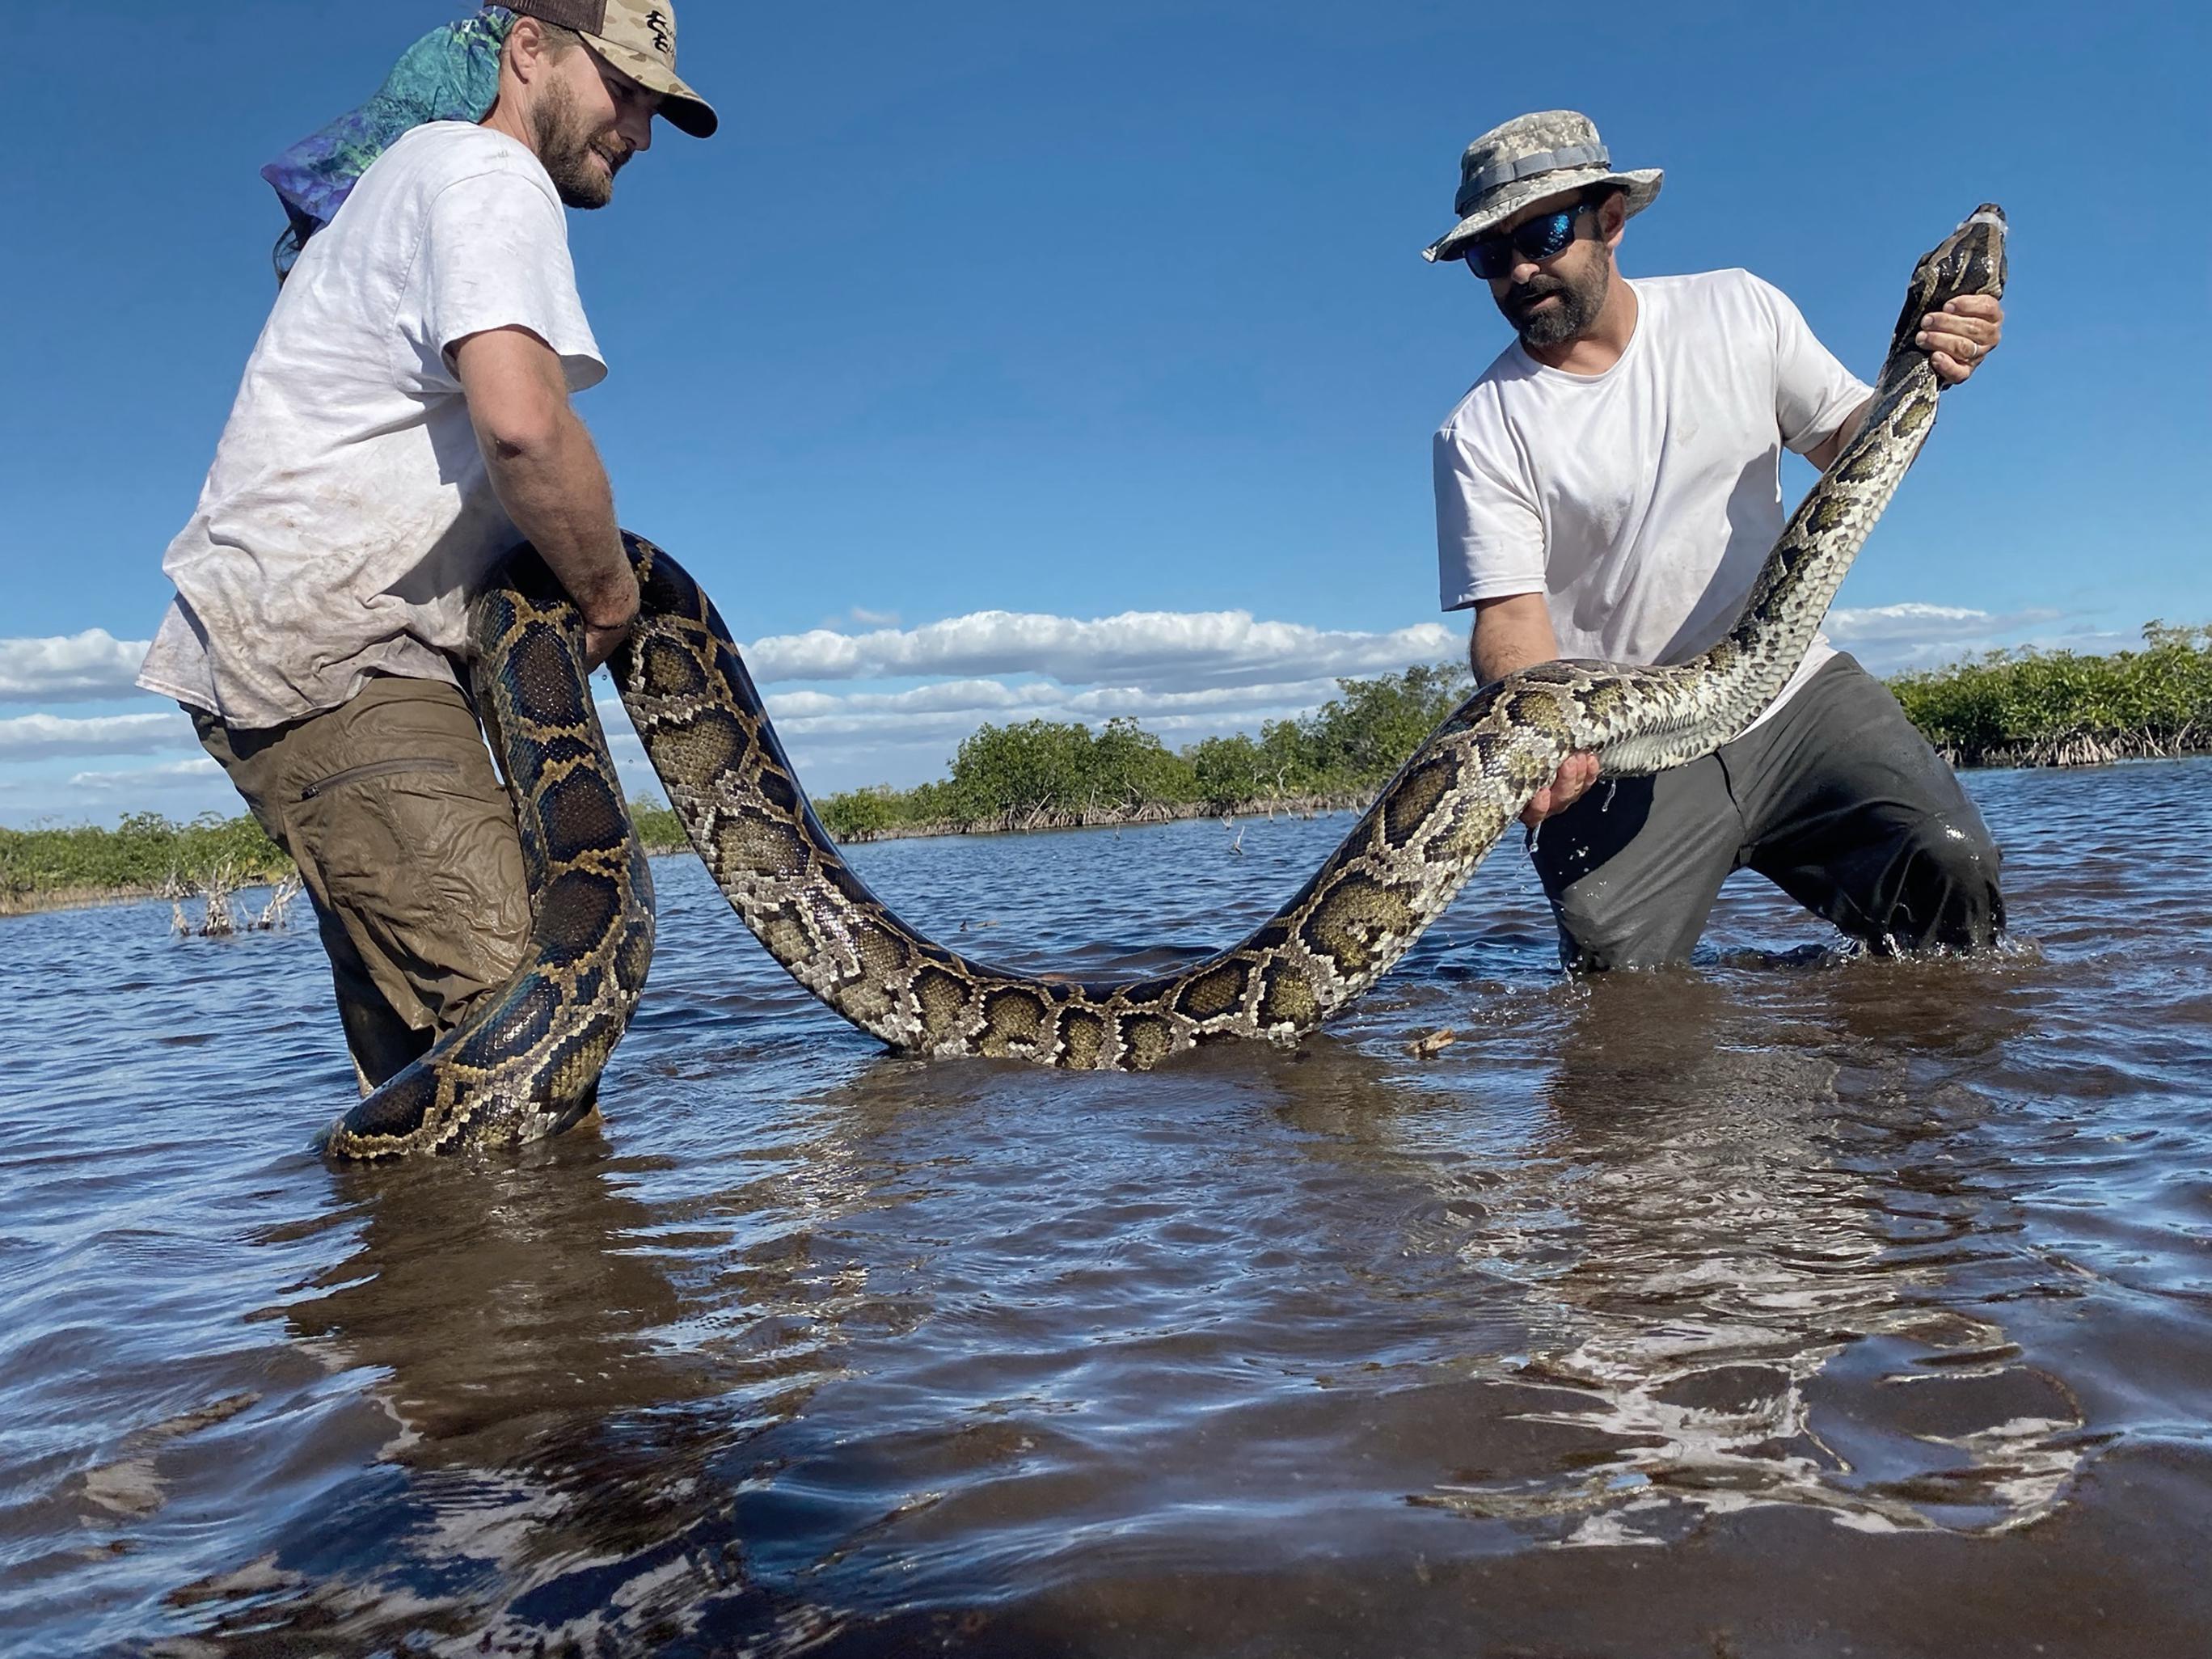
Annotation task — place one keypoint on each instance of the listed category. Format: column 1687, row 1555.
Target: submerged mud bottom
column 1793, row 1303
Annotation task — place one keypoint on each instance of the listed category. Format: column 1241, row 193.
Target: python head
column 1969, row 260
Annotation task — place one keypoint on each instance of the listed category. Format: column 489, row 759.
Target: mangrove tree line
column 2009, row 708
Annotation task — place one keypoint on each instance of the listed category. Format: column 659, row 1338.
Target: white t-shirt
column 348, row 517
column 1642, row 502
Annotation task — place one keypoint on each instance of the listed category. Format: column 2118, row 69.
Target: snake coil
column 526, row 1064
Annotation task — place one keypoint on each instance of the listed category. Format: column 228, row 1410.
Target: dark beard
column 1577, row 311
column 566, row 149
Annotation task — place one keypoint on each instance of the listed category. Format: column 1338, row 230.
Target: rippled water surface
column 1785, row 1304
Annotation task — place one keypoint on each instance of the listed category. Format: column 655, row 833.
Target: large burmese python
column 528, row 1063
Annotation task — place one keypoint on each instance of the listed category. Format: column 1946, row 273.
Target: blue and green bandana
column 452, row 74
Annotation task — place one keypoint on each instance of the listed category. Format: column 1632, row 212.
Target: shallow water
column 1786, row 1304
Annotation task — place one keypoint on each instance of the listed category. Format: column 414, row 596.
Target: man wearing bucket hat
column 404, row 421
column 1608, row 489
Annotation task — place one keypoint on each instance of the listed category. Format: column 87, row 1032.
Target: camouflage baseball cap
column 638, row 37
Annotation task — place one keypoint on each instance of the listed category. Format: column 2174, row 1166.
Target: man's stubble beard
column 1580, row 301
column 566, row 147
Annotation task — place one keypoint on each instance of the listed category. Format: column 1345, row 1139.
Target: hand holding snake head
column 1952, row 311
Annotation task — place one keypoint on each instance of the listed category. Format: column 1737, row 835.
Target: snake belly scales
column 526, row 1063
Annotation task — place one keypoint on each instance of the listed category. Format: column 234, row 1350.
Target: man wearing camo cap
column 404, row 421
column 1609, row 489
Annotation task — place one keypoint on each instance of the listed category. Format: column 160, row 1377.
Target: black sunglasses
column 1496, row 254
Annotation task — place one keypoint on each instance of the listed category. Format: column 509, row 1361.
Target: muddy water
column 1785, row 1304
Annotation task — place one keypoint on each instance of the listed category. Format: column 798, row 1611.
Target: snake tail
column 526, row 1064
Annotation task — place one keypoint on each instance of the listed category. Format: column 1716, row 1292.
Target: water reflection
column 1739, row 1265
column 814, row 1351
column 564, row 1417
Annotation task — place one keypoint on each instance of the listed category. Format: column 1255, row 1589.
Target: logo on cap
column 664, row 39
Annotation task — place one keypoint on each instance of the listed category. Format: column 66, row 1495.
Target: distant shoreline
column 42, row 902
column 2012, row 708
column 1289, row 806
column 2072, row 754
column 71, row 898
column 2065, row 754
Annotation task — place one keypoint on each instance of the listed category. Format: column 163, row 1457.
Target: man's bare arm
column 1510, row 632
column 1515, row 632
column 549, row 476
column 1823, row 454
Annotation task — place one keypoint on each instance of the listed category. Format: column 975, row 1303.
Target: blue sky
column 1076, row 313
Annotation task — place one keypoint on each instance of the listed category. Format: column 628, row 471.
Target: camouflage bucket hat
column 638, row 37
column 1531, row 157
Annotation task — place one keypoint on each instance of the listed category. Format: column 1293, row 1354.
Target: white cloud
column 28, row 736
column 807, row 734
column 790, row 709
column 70, row 668
column 1185, row 675
column 1141, row 704
column 798, row 711
column 912, row 732
column 1915, row 624
column 164, row 776
column 1890, row 637
column 1167, row 650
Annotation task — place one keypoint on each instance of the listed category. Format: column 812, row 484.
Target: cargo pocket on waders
column 418, row 859
column 385, row 769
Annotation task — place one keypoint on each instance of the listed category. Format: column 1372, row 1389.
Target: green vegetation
column 146, row 853
column 1053, row 774
column 658, row 829
column 2009, row 708
column 146, row 856
column 2055, row 709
